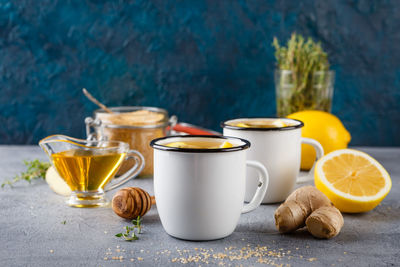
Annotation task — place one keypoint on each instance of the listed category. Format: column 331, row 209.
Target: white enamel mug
column 279, row 149
column 200, row 192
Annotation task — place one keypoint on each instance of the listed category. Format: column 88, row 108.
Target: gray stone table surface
column 32, row 232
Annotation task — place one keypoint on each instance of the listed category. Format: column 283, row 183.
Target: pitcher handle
column 319, row 151
column 131, row 173
column 261, row 189
column 91, row 123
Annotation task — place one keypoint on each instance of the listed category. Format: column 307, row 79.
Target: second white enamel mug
column 200, row 192
column 279, row 149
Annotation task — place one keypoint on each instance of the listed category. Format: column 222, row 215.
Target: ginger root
column 325, row 222
column 308, row 202
column 293, row 213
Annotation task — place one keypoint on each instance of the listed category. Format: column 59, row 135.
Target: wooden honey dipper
column 131, row 202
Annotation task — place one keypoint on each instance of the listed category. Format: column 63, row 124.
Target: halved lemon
column 352, row 180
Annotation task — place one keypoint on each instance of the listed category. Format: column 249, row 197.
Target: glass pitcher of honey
column 88, row 167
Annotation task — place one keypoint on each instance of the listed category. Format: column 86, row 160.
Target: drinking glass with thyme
column 303, row 80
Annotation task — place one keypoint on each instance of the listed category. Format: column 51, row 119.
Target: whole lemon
column 324, row 127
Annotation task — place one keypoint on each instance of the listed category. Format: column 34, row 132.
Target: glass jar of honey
column 135, row 125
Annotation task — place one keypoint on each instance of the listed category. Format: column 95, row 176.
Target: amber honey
column 87, row 170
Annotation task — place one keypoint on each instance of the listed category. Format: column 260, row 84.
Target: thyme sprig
column 36, row 169
column 304, row 81
column 131, row 232
column 300, row 55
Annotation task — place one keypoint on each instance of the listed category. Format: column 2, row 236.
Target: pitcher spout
column 55, row 143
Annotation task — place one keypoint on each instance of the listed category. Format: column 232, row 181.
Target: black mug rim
column 154, row 144
column 282, row 128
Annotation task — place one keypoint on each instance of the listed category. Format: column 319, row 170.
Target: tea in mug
column 87, row 170
column 200, row 144
column 262, row 123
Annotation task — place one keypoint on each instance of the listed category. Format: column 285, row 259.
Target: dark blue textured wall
column 204, row 61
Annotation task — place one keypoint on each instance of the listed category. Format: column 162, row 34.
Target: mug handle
column 130, row 174
column 320, row 152
column 262, row 186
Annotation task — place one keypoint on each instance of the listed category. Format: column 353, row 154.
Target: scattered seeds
column 228, row 256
